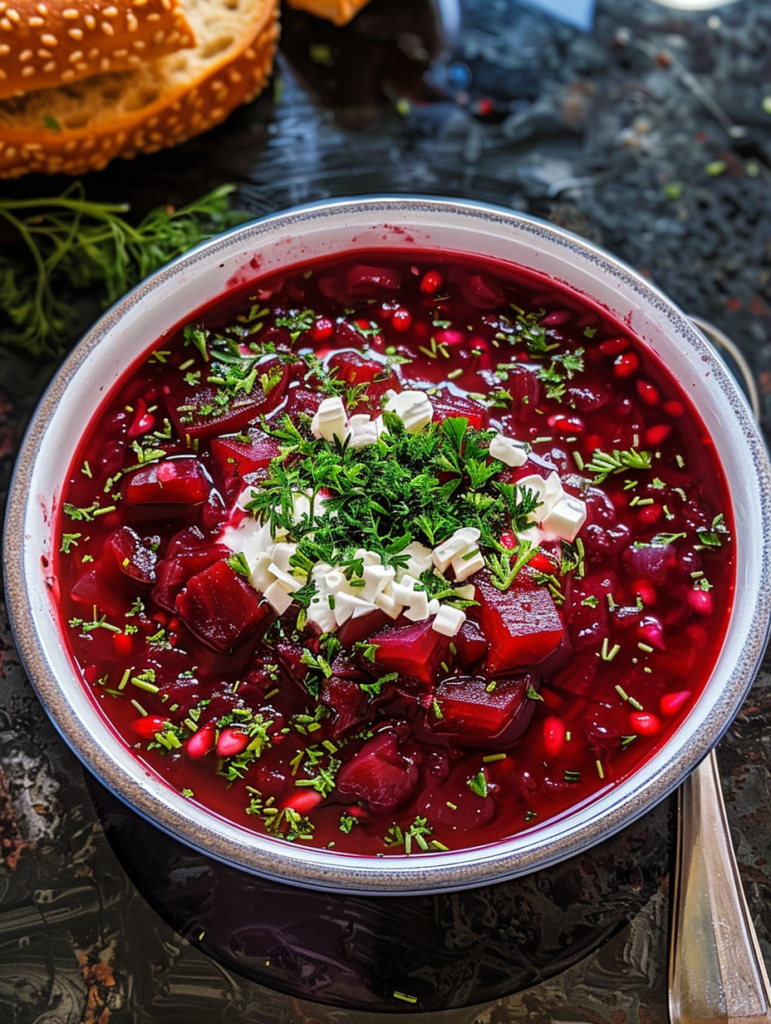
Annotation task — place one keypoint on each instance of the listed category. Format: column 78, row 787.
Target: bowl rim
column 391, row 874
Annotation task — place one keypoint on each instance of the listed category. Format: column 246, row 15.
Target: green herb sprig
column 71, row 248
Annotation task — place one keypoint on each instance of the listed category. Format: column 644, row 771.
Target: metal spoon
column 716, row 969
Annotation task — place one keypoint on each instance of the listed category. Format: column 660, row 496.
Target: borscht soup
column 395, row 552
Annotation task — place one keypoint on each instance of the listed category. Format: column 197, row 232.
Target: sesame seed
column 27, row 70
column 71, row 13
column 90, row 21
column 14, row 15
column 49, row 40
column 25, row 55
column 75, row 33
column 36, row 22
column 49, row 67
column 107, row 28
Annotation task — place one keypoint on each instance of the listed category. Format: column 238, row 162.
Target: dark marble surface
column 649, row 134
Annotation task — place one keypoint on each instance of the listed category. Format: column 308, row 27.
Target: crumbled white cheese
column 413, row 408
column 466, row 565
column 448, row 620
column 508, row 451
column 277, row 598
column 460, row 543
column 566, row 518
column 330, row 420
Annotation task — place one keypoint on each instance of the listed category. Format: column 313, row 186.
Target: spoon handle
column 716, row 970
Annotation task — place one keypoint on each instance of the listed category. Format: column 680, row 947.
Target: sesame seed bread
column 338, row 11
column 52, row 43
column 80, row 127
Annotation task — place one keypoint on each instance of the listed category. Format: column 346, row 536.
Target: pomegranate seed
column 431, row 283
column 231, row 741
column 143, row 420
column 593, row 443
column 509, row 541
column 401, row 320
column 553, row 735
column 123, row 643
column 626, row 364
column 649, row 515
column 671, row 703
column 648, row 393
column 644, row 723
column 557, row 318
column 674, row 408
column 614, row 346
column 147, row 727
column 201, row 742
column 304, row 800
column 566, row 424
column 322, row 330
column 700, row 601
column 658, row 433
column 646, row 591
column 91, row 673
column 652, row 632
column 541, row 563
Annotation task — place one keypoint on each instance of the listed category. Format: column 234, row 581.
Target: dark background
column 651, row 135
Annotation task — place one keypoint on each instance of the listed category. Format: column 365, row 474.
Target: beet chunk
column 135, row 557
column 364, row 281
column 178, row 481
column 220, row 607
column 471, row 644
column 348, row 701
column 473, row 715
column 416, row 650
column 378, row 774
column 174, row 572
column 233, row 459
column 521, row 624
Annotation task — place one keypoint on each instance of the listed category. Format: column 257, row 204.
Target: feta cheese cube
column 417, row 609
column 281, row 553
column 566, row 518
column 363, row 431
column 260, row 577
column 465, row 565
column 387, row 604
column 448, row 621
column 346, row 606
column 460, row 543
column 404, row 589
column 330, row 420
column 376, row 579
column 508, row 451
column 278, row 598
column 419, row 558
column 321, row 615
column 548, row 491
column 284, row 579
column 413, row 408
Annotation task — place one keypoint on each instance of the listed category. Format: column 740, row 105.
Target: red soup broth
column 240, row 599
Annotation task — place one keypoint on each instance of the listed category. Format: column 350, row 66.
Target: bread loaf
column 81, row 126
column 61, row 41
column 338, row 11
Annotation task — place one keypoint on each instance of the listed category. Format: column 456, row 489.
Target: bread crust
column 340, row 12
column 142, row 111
column 43, row 45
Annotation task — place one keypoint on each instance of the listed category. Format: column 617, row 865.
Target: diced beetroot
column 577, row 677
column 301, row 400
column 415, row 650
column 232, row 459
column 348, row 701
column 476, row 416
column 239, row 413
column 354, row 369
column 355, row 631
column 173, row 573
column 473, row 715
column 135, row 558
column 588, row 623
column 471, row 644
column 378, row 774
column 177, row 481
column 480, row 290
column 650, row 561
column 90, row 590
column 220, row 607
column 521, row 624
column 367, row 282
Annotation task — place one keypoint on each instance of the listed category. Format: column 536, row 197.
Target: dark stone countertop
column 650, row 134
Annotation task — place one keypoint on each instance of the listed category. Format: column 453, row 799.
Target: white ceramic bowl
column 172, row 295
